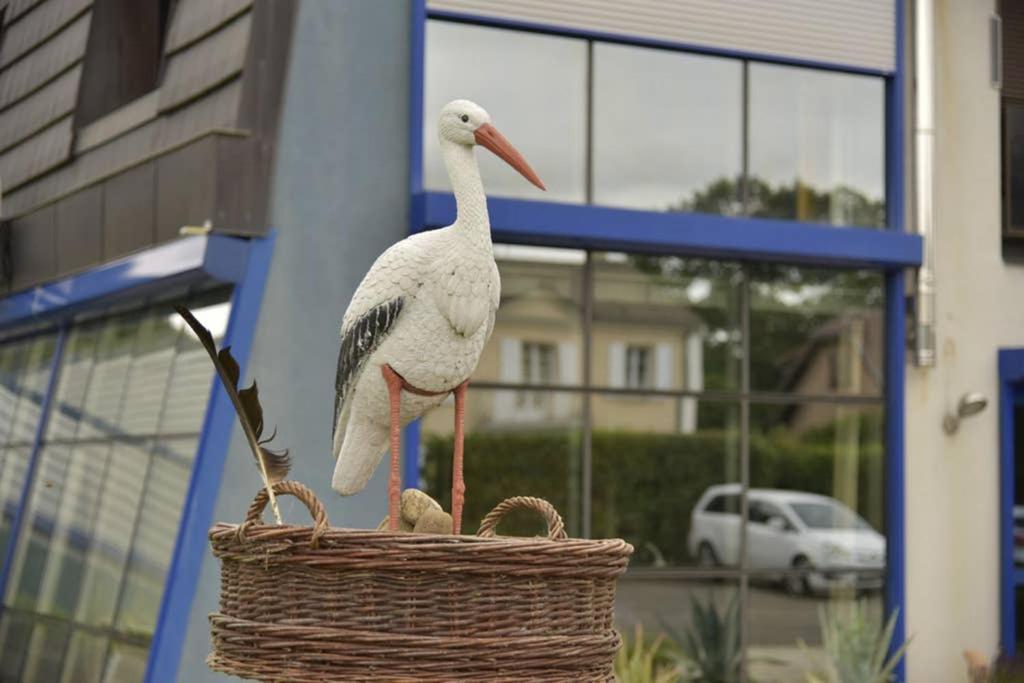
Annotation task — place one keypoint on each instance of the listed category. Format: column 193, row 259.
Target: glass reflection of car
column 789, row 529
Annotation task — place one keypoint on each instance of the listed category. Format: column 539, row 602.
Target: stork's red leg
column 394, row 382
column 458, row 485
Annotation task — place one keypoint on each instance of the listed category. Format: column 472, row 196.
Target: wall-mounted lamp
column 970, row 404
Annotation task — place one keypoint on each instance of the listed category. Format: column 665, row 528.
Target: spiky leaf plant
column 642, row 660
column 855, row 647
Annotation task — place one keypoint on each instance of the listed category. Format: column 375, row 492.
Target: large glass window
column 817, row 146
column 726, row 419
column 666, row 126
column 663, row 130
column 535, row 88
column 102, row 512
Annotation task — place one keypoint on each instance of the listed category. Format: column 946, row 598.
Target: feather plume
column 274, row 465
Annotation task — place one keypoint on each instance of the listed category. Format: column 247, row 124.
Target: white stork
column 420, row 319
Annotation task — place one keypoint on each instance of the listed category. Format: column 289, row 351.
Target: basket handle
column 556, row 528
column 254, row 516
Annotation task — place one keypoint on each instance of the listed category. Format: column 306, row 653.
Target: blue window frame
column 1011, row 573
column 751, row 239
column 51, row 312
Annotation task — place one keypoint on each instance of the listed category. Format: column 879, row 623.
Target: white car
column 831, row 543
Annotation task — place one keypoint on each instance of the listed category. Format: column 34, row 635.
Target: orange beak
column 488, row 136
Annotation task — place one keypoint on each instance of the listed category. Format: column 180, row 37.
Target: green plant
column 640, row 660
column 710, row 651
column 855, row 646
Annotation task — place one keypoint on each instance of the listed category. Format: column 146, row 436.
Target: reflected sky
column 534, row 88
column 665, row 125
column 824, row 128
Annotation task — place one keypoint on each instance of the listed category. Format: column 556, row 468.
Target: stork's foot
column 458, row 482
column 394, row 383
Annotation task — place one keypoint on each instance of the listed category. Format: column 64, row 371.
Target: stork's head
column 466, row 123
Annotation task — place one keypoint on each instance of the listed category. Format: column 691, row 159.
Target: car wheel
column 706, row 557
column 796, row 584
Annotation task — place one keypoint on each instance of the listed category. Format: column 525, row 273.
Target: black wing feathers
column 359, row 341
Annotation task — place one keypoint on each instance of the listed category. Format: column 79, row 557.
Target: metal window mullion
column 33, row 462
column 744, row 592
column 745, row 140
column 588, row 146
column 587, row 477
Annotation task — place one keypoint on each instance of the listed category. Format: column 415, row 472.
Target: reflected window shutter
column 616, row 365
column 569, row 375
column 511, row 370
column 664, row 368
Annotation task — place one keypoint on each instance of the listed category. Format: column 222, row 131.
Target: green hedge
column 644, row 484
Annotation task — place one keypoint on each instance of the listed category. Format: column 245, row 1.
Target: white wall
column 952, row 482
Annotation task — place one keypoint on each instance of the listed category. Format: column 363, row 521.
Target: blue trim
column 411, row 454
column 191, row 546
column 1011, row 379
column 598, row 227
column 626, row 39
column 183, row 260
column 45, row 409
column 895, row 485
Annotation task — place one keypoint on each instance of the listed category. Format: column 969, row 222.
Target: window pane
column 157, row 531
column 817, row 146
column 45, row 655
column 817, row 331
column 667, row 130
column 699, row 620
column 654, row 471
column 15, row 632
column 537, row 337
column 188, row 387
column 685, row 311
column 545, row 118
column 33, row 377
column 75, row 373
column 1015, row 159
column 112, row 532
column 86, row 654
column 517, row 443
column 822, row 466
column 13, row 466
column 126, row 663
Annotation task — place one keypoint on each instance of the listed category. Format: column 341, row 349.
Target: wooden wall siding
column 216, row 111
column 186, row 193
column 54, row 100
column 36, row 155
column 33, row 248
column 37, row 26
column 193, row 19
column 129, row 211
column 207, row 63
column 44, row 63
column 16, row 8
column 79, row 221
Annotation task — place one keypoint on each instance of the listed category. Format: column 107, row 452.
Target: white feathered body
column 450, row 289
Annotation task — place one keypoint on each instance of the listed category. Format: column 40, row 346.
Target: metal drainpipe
column 924, row 145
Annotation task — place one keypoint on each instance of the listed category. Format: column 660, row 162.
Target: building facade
column 702, row 341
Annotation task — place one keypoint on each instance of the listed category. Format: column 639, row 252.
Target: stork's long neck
column 470, row 201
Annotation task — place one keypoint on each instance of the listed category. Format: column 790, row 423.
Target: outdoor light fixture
column 970, row 404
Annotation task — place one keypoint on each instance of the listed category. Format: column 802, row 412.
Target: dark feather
column 357, row 343
column 246, row 401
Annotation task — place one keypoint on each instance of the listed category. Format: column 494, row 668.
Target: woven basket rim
column 262, row 533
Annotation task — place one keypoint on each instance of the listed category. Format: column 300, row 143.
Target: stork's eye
column 465, row 118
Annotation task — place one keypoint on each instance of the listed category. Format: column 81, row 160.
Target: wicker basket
column 303, row 603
